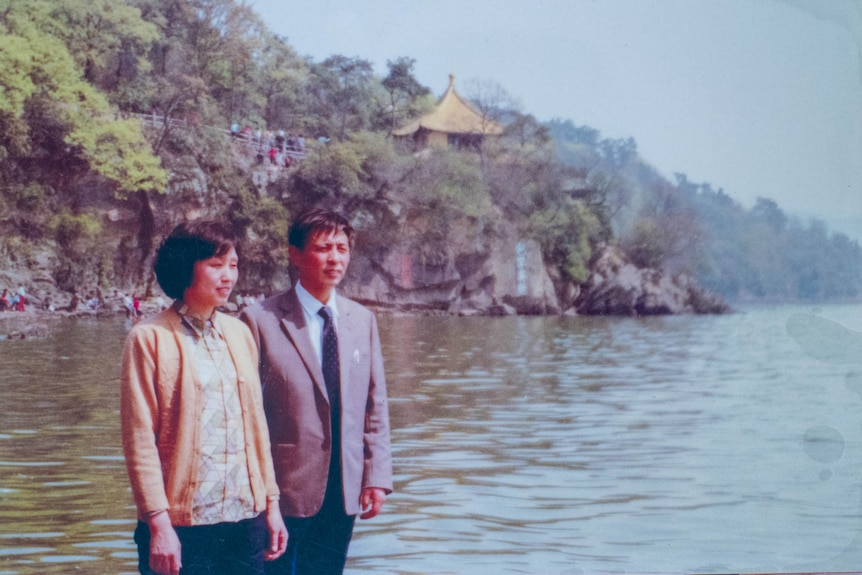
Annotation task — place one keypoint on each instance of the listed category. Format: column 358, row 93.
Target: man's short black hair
column 187, row 244
column 315, row 221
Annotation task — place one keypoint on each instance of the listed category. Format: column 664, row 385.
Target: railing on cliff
column 250, row 142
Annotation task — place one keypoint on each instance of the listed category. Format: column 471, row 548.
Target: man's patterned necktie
column 329, row 363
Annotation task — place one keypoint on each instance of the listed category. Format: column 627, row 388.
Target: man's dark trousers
column 317, row 545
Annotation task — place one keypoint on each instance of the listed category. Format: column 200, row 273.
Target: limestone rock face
column 618, row 287
column 469, row 273
column 472, row 272
column 414, row 265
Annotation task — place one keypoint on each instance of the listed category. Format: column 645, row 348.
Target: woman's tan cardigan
column 160, row 408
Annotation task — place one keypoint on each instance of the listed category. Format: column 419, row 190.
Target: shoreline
column 35, row 323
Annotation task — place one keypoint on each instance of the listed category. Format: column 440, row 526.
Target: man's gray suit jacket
column 297, row 404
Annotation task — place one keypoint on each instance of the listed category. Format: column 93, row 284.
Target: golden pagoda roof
column 453, row 115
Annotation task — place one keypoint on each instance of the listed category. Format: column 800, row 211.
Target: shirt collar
column 311, row 305
column 201, row 327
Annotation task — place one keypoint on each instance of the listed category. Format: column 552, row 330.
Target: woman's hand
column 277, row 531
column 165, row 556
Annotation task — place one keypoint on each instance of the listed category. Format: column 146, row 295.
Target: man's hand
column 165, row 557
column 277, row 532
column 371, row 501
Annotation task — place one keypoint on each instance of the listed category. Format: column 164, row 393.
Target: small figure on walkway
column 22, row 298
column 129, row 306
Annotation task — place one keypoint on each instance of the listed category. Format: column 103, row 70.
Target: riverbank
column 34, row 323
column 37, row 323
column 22, row 325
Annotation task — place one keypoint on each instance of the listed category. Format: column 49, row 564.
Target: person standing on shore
column 325, row 399
column 194, row 433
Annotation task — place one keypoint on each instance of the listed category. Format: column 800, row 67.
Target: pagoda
column 454, row 123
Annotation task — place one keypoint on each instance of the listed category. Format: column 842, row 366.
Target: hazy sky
column 757, row 97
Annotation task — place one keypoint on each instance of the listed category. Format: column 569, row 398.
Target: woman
column 194, row 432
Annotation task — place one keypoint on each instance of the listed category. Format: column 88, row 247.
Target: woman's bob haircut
column 187, row 244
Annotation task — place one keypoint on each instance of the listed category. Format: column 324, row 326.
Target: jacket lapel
column 346, row 342
column 294, row 326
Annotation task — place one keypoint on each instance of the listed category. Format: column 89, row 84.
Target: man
column 325, row 400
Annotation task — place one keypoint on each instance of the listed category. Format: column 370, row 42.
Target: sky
column 760, row 98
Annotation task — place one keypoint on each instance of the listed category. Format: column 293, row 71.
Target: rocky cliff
column 475, row 273
column 468, row 273
column 618, row 287
column 409, row 263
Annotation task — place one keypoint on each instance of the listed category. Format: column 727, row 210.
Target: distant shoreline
column 36, row 323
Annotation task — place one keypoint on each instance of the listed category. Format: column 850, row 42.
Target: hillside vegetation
column 88, row 189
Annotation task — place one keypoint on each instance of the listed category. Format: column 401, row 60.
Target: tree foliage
column 682, row 226
column 47, row 103
column 406, row 94
column 341, row 90
column 75, row 74
column 761, row 253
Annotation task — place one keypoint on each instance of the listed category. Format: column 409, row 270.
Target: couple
column 219, row 488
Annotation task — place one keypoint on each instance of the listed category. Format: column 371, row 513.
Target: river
column 521, row 445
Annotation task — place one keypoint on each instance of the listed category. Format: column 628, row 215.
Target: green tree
column 341, row 93
column 45, row 101
column 491, row 100
column 108, row 39
column 768, row 212
column 79, row 253
column 568, row 232
column 263, row 221
column 352, row 174
column 280, row 76
column 57, row 130
column 522, row 166
column 525, row 131
column 404, row 91
column 210, row 42
column 607, row 174
column 667, row 233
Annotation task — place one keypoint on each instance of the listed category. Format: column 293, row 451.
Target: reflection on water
column 65, row 503
column 521, row 445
